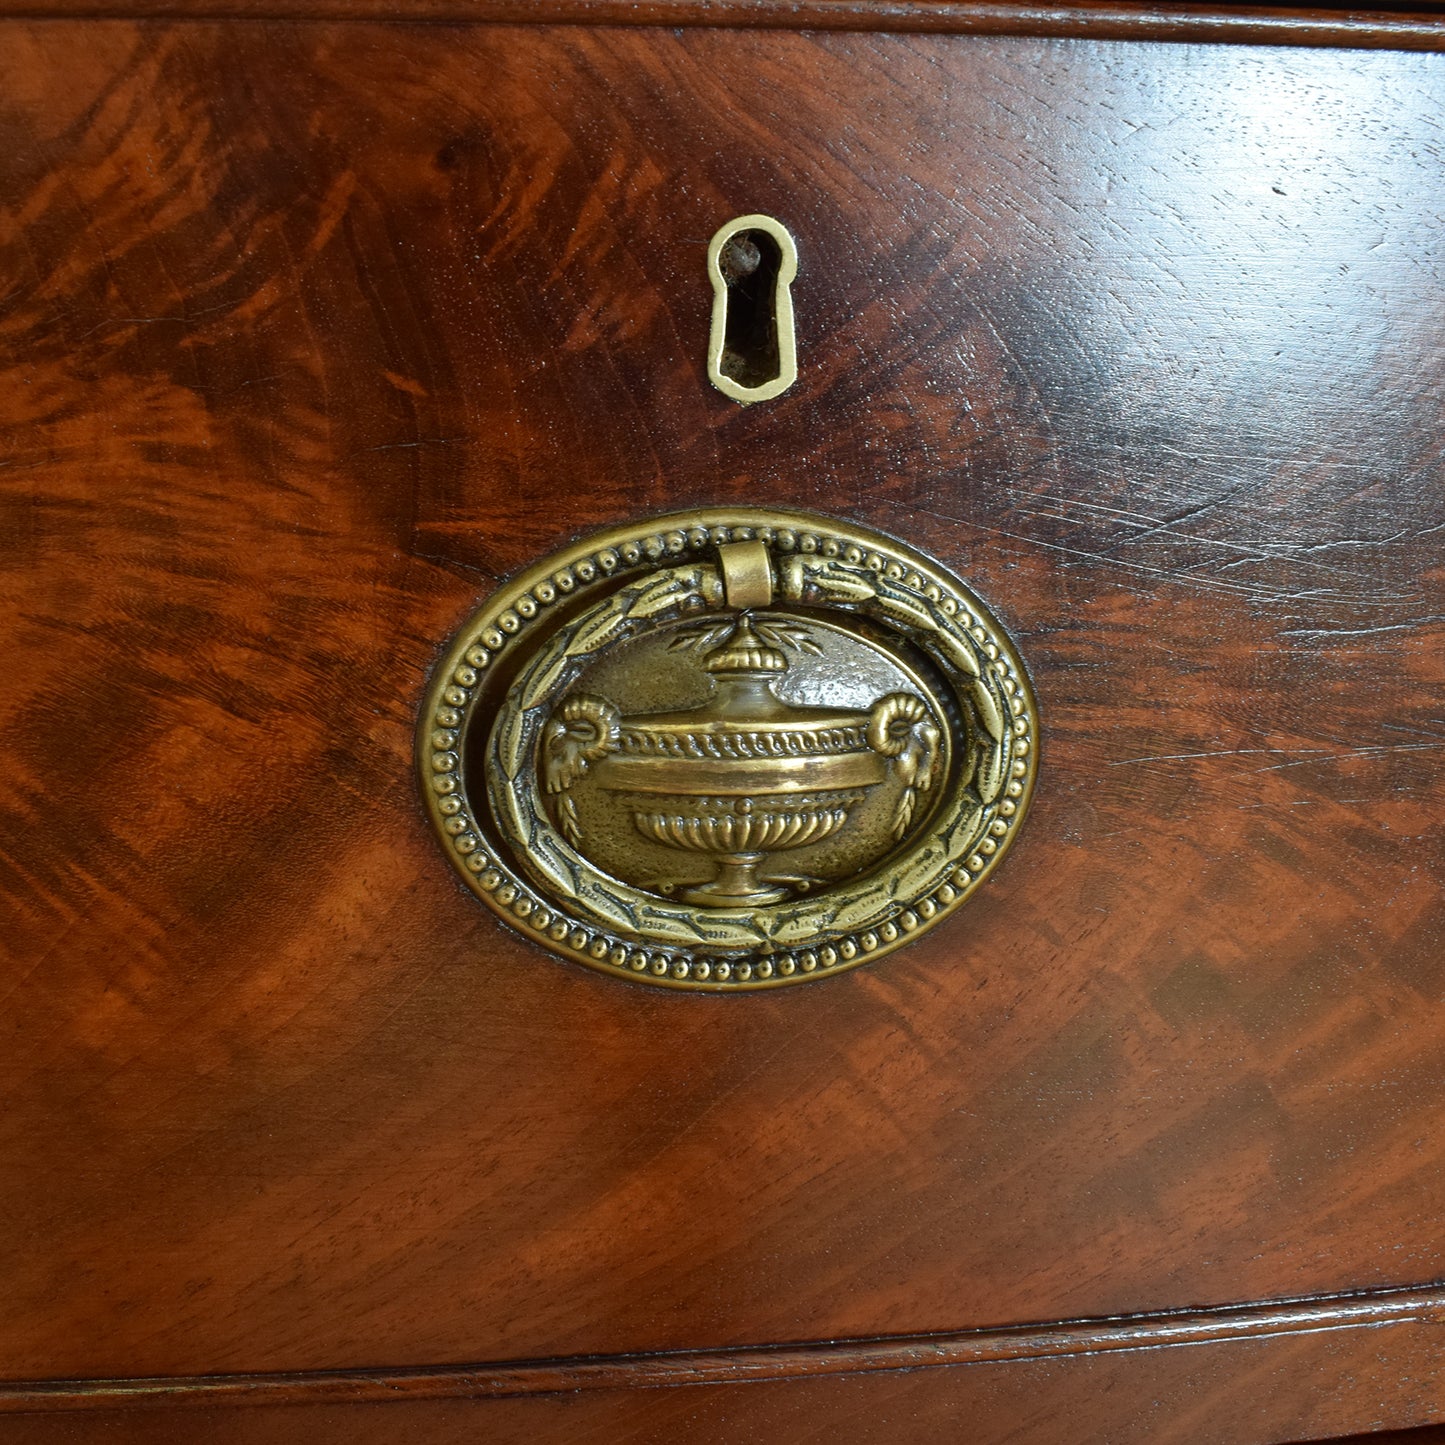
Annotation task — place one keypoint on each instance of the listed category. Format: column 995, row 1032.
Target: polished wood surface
column 312, row 332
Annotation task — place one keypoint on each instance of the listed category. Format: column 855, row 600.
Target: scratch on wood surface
column 1297, row 757
column 1330, row 634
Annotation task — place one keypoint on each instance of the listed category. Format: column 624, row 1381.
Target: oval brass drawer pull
column 729, row 749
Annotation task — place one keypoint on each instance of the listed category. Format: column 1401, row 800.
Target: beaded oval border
column 510, row 613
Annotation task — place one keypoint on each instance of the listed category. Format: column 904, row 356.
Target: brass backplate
column 728, row 749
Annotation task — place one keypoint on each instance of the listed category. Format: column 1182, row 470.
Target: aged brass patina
column 752, row 351
column 728, row 749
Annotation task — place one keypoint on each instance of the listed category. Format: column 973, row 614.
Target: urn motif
column 744, row 775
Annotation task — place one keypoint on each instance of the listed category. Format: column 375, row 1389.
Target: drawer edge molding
column 1193, row 24
column 1375, row 1309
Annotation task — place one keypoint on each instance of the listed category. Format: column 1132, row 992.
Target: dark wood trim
column 743, row 1364
column 1214, row 24
column 1421, row 1435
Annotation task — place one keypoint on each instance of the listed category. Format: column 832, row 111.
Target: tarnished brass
column 728, row 749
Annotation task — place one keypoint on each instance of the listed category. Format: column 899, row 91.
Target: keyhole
column 751, row 353
column 749, row 262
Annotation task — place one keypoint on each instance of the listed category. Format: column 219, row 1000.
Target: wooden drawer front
column 314, row 331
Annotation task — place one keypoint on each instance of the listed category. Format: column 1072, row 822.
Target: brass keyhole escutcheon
column 728, row 749
column 752, row 350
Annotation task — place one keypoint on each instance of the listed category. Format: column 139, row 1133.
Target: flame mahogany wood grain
column 311, row 332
